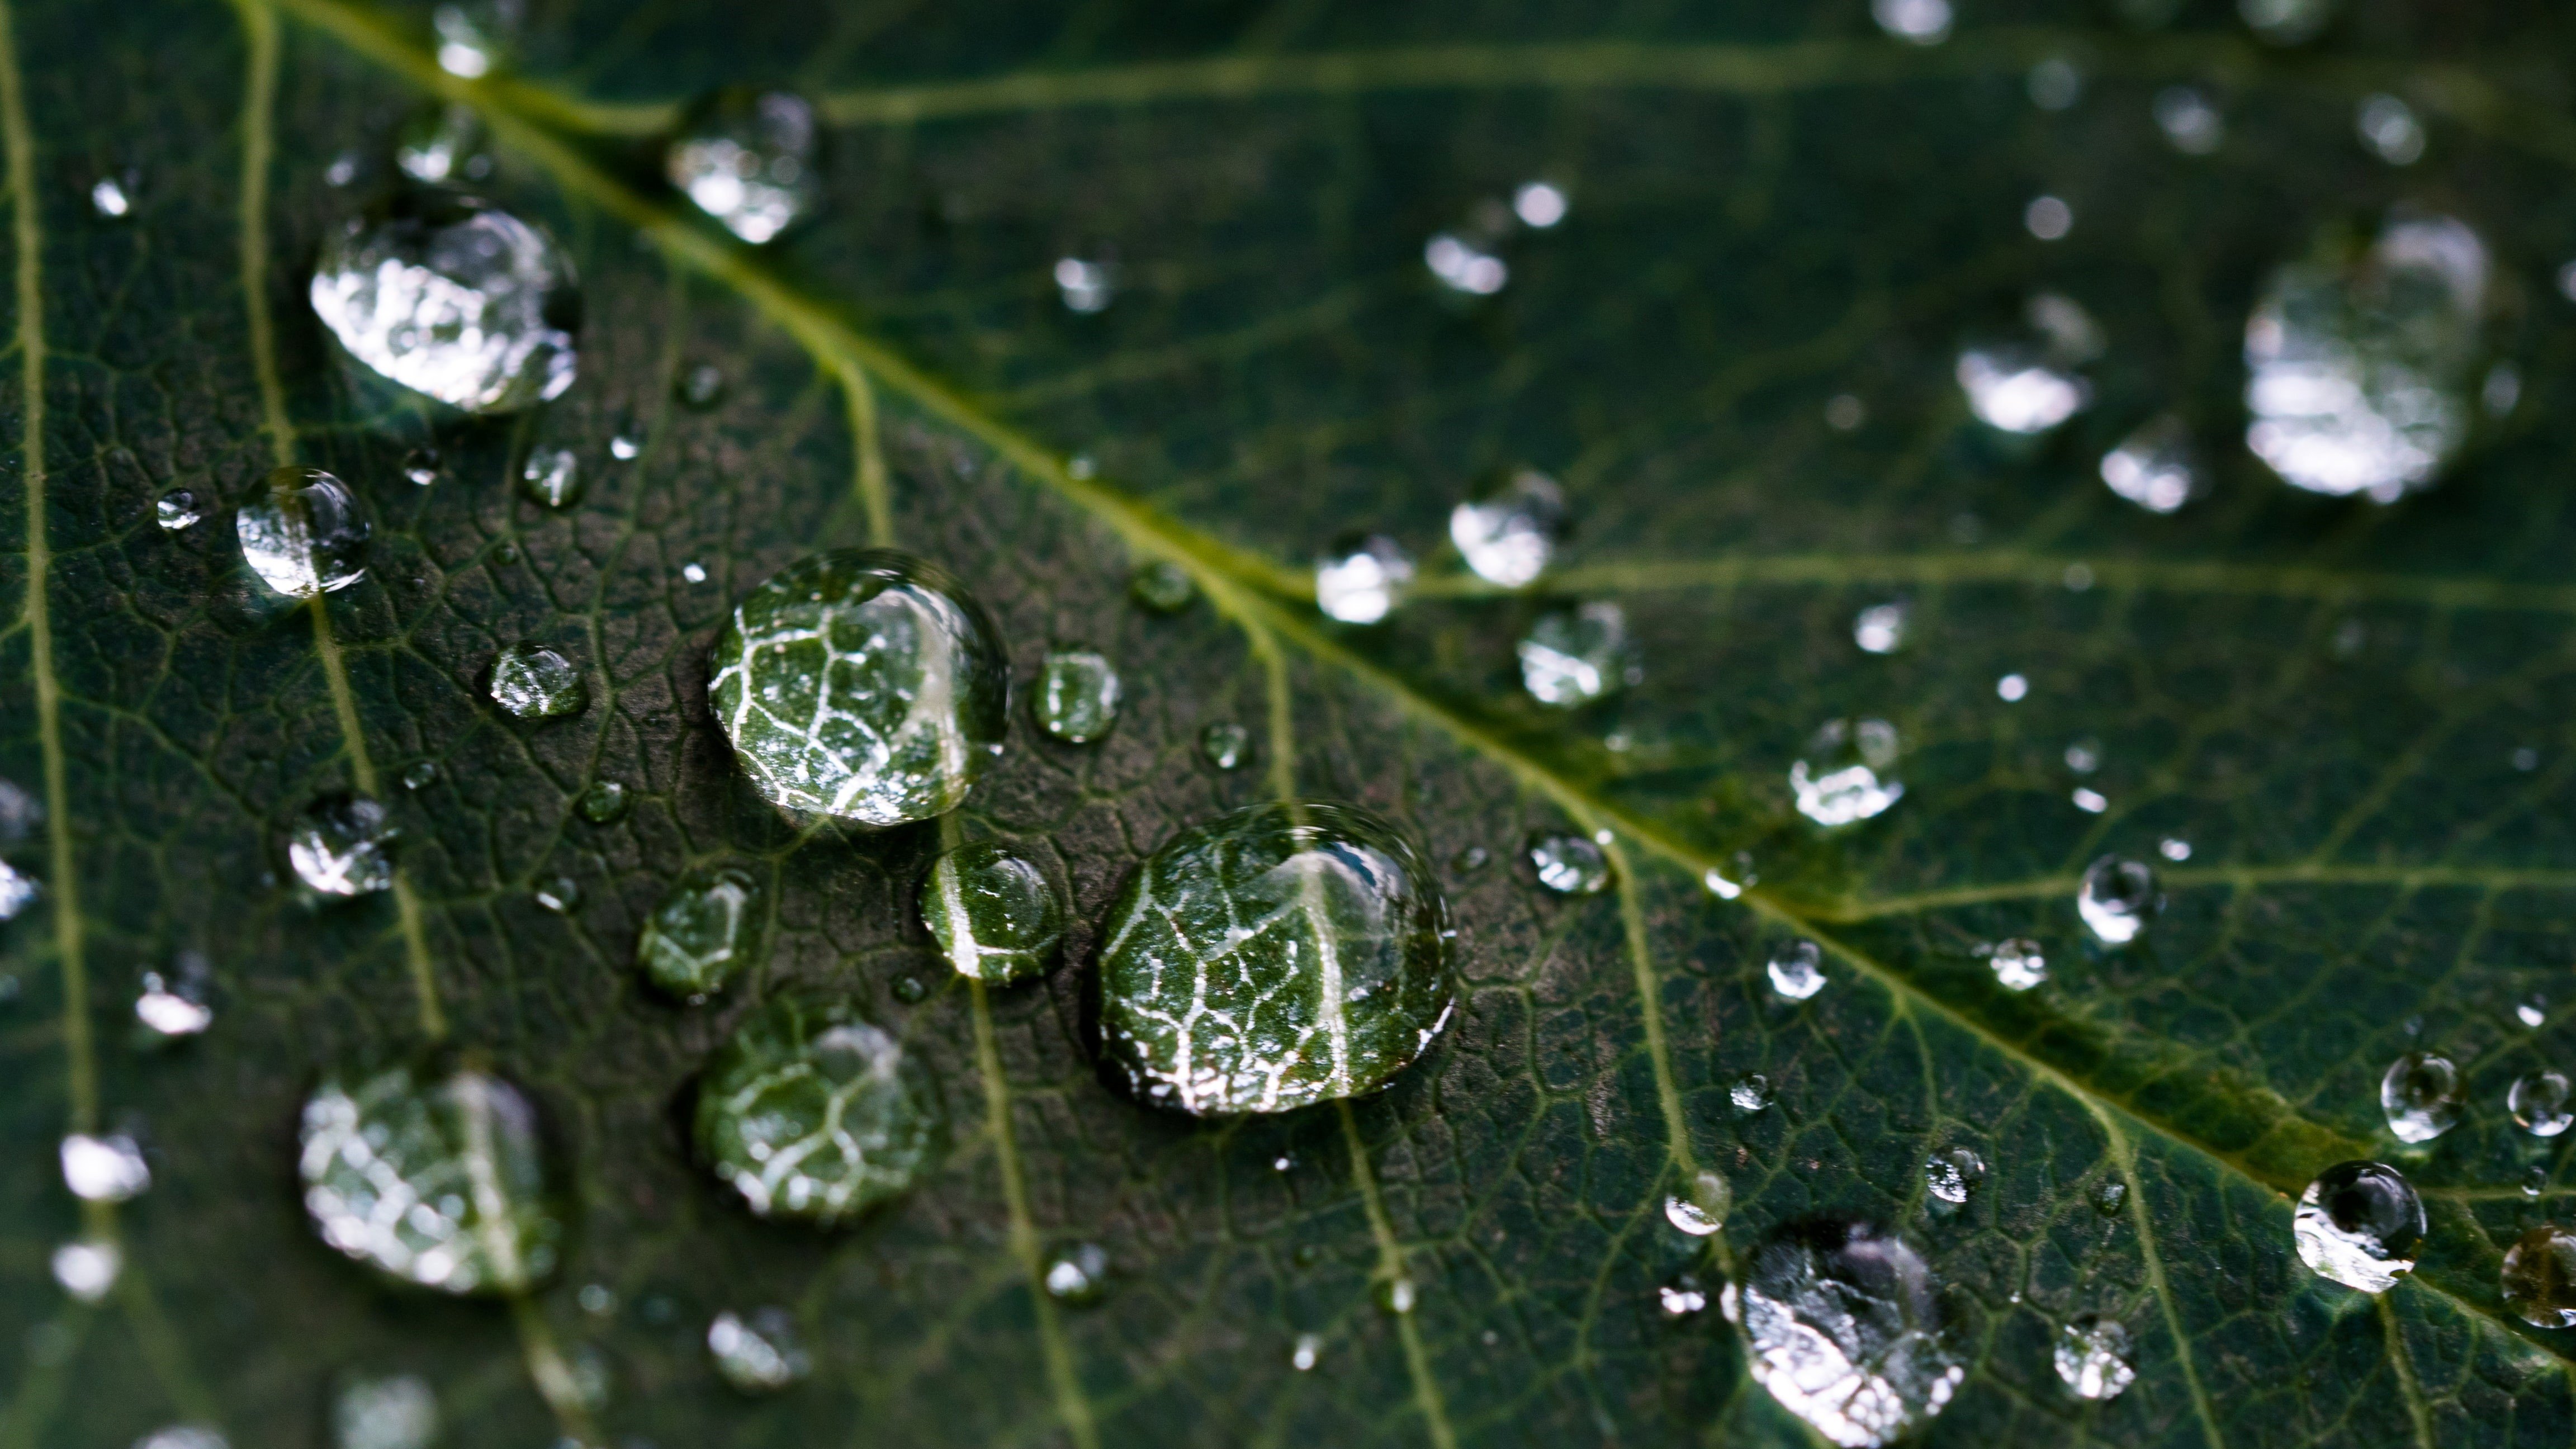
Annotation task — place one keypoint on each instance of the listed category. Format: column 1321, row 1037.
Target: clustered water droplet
column 1843, row 1328
column 995, row 915
column 2093, row 1357
column 810, row 1112
column 453, row 298
column 2360, row 1224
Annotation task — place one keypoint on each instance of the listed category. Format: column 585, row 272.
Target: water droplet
column 2110, row 1196
column 2388, row 127
column 2286, row 22
column 1079, row 1275
column 2539, row 1280
column 452, row 298
column 2192, row 125
column 2154, row 467
column 420, row 465
column 1470, row 860
column 996, row 917
column 431, row 1175
column 2012, row 689
column 2019, row 963
column 1087, row 287
column 1077, row 695
column 444, row 145
column 533, row 682
column 88, row 1268
column 175, row 1005
column 1308, row 1348
column 18, row 891
column 624, row 449
column 2093, row 1357
column 864, row 684
column 597, row 1299
column 1570, row 865
column 2535, row 1179
column 911, row 990
column 552, row 477
column 1952, row 1176
column 183, row 1436
column 304, row 535
column 1682, row 1297
column 1464, row 266
column 2359, row 370
column 559, row 894
column 1398, row 1296
column 2174, row 848
column 2538, row 1101
column 1704, row 1210
column 1362, row 579
column 2029, row 385
column 2048, row 218
column 694, row 572
column 2532, row 1010
column 475, row 36
column 342, row 845
column 748, row 158
column 1842, row 780
column 104, row 1169
column 1916, row 22
column 1797, row 969
column 2361, row 1225
column 604, row 803
column 702, row 386
column 809, row 1112
column 708, row 926
column 109, row 200
column 2055, row 84
column 1843, row 1328
column 1225, row 744
column 1575, row 656
column 1845, row 412
column 2117, row 898
column 1162, row 586
column 1751, row 1093
column 2084, row 756
column 399, row 1412
column 1880, row 628
column 1512, row 530
column 1277, row 956
column 1539, row 204
column 760, row 1354
column 2422, row 1095
column 2091, row 802
column 178, row 508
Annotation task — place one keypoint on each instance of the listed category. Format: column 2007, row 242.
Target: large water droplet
column 1360, row 579
column 747, row 158
column 1510, row 533
column 2359, row 370
column 2019, row 963
column 996, row 916
column 2539, row 1279
column 304, row 535
column 2421, row 1095
column 2360, row 1224
column 810, row 1112
column 1575, row 656
column 1844, row 779
column 399, row 1412
column 2093, row 1357
column 1797, row 969
column 1843, row 1328
column 432, row 1175
column 710, row 924
column 1078, row 694
column 1916, row 22
column 88, row 1268
column 1079, row 1274
column 342, row 845
column 2538, row 1101
column 760, row 1354
column 1274, row 957
column 453, row 298
column 444, row 145
column 1570, row 865
column 104, row 1169
column 2117, row 898
column 534, row 682
column 2154, row 467
column 865, row 684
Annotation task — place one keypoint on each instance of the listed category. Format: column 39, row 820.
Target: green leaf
column 2354, row 714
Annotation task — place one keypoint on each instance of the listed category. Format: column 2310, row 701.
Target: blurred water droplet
column 604, row 803
column 1797, row 969
column 1574, row 656
column 2019, row 963
column 2117, row 898
column 1361, row 579
column 1225, row 744
column 183, row 1436
column 2029, row 385
column 88, row 1268
column 1880, row 628
column 707, row 927
column 2091, row 802
column 1750, row 1093
column 760, row 1354
column 104, row 1169
column 109, row 200
column 433, row 1176
column 534, row 682
column 995, row 916
column 1843, row 777
column 2055, row 84
column 2110, row 1196
column 1397, row 1296
column 420, row 774
column 2048, row 218
column 1079, row 1275
column 453, row 298
column 2361, row 1225
column 597, row 1299
column 1510, row 533
column 552, row 477
column 2093, row 1357
column 1087, row 287
column 2012, row 689
column 2286, row 22
column 1539, row 204
column 694, row 572
column 475, row 36
column 2539, row 1279
column 2421, row 1095
column 304, row 535
column 1569, row 865
column 1844, row 412
column 2502, row 389
column 2358, row 372
column 2532, row 1010
column 748, row 158
column 2535, row 1180
column 175, row 1004
column 1463, row 267
column 420, row 465
column 18, row 890
column 1303, row 1355
column 178, row 508
column 809, row 1112
column 702, row 386
column 1916, row 22
column 2389, row 128
column 2174, row 848
column 399, row 1412
column 911, row 990
column 2190, row 121
column 2154, row 467
column 624, row 449
column 1952, row 1176
column 1703, row 1210
column 1077, row 695
column 1682, row 1297
column 2567, row 281
column 1470, row 860
column 1162, row 586
column 342, row 845
column 560, row 894
column 2538, row 1101
column 444, row 145
column 1843, row 1327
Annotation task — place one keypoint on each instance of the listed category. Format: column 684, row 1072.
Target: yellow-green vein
column 2413, row 1392
column 870, row 448
column 1400, row 1289
column 2236, row 877
column 2124, row 1157
column 1650, row 1000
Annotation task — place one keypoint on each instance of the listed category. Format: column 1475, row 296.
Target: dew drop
column 534, row 682
column 2048, row 218
column 1575, row 656
column 1470, row 860
column 2389, row 128
column 1842, row 1325
column 559, row 894
column 2154, row 467
column 2538, row 1101
column 1842, row 780
column 758, row 1354
column 342, row 845
column 2539, row 1279
column 1079, row 1275
column 995, row 916
column 88, row 1268
column 2012, row 689
column 2117, row 898
column 2110, row 1196
column 910, row 990
column 453, row 298
column 176, row 1004
column 420, row 465
column 420, row 775
column 2361, row 1225
column 809, row 1112
column 399, row 1412
column 1916, row 22
column 2174, row 848
column 1304, row 1353
column 702, row 386
column 1362, row 578
column 604, row 803
column 1569, row 865
column 1087, row 287
column 1077, row 695
column 108, row 199
column 433, row 1175
column 1539, row 204
column 1464, row 266
column 2421, row 1095
column 2019, row 963
column 1881, row 628
column 304, row 535
column 1276, row 956
column 1952, row 1176
column 1161, row 587
column 709, row 925
column 749, row 158
column 104, row 1169
column 1225, row 744
column 2535, row 1180
column 694, row 572
column 444, row 145
column 1510, row 533
column 552, row 478
column 2093, row 1357
column 864, row 684
column 1703, row 1210
column 1797, row 970
column 1398, row 1296
column 2191, row 123
column 2091, row 802
column 1682, row 1297
column 178, row 508
column 475, row 36
column 1751, row 1093
column 2028, row 384
column 624, row 449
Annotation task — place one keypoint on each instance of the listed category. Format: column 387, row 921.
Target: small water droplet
column 708, row 926
column 1511, row 530
column 2117, row 898
column 2019, row 963
column 1079, row 1275
column 2421, row 1095
column 109, row 200
column 2174, row 848
column 1916, row 22
column 444, row 145
column 2154, row 467
column 175, row 1004
column 1077, row 695
column 759, row 1354
column 18, row 890
column 1797, row 969
column 2286, row 22
column 552, row 477
column 1086, row 286
column 2532, row 1010
column 809, row 1112
column 1575, row 656
column 2091, row 802
column 453, row 298
column 2538, row 1101
column 1398, row 1296
column 1682, row 1297
column 1307, row 1350
column 604, row 803
column 2055, row 84
column 2192, row 124
column 1162, row 587
column 2539, row 1279
column 534, row 682
column 1539, row 204
column 911, row 990
column 1751, row 1093
column 2110, row 1196
column 1703, row 1210
column 420, row 465
column 1842, row 780
column 1361, row 579
column 597, row 1299
column 2389, row 128
column 702, row 386
column 304, row 536
column 694, row 572
column 559, row 894
column 1471, row 860
column 342, row 845
column 624, row 449
column 2093, row 1357
column 178, row 508
column 2048, row 218
column 475, row 36
column 750, row 159
column 2535, row 1180
column 2012, row 689
column 1843, row 1327
column 2361, row 1225
column 995, row 916
column 2028, row 384
column 1952, row 1176
column 1569, row 865
column 88, row 1268
column 1845, row 412
column 1881, row 628
column 104, row 1169
column 1225, row 744
column 1464, row 266
column 398, row 1412
column 431, row 1175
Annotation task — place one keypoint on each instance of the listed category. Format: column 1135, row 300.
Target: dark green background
column 1792, row 207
